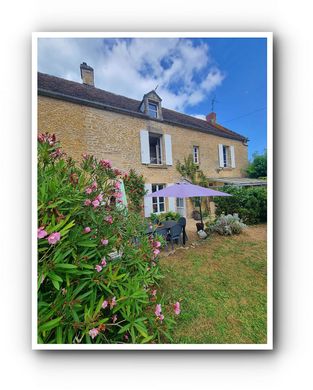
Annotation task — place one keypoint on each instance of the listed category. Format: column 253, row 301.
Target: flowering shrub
column 135, row 190
column 227, row 225
column 97, row 270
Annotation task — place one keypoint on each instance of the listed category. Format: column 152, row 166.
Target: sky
column 190, row 75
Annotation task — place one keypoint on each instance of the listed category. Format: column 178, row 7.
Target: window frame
column 156, row 199
column 227, row 156
column 196, row 154
column 159, row 150
column 156, row 112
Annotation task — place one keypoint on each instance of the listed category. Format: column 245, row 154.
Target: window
column 153, row 109
column 155, row 147
column 196, row 154
column 158, row 204
column 226, row 156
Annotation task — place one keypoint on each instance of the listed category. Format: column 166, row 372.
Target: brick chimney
column 86, row 73
column 211, row 117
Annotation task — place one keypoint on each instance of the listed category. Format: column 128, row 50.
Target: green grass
column 221, row 285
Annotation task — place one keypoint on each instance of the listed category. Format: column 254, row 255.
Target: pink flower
column 113, row 302
column 176, row 308
column 117, row 185
column 104, row 304
column 117, row 172
column 105, row 163
column 87, row 202
column 88, row 190
column 157, row 244
column 126, row 336
column 103, row 262
column 85, row 156
column 109, row 219
column 98, row 268
column 41, row 233
column 94, row 185
column 100, row 197
column 158, row 310
column 154, row 292
column 118, row 195
column 161, row 317
column 93, row 333
column 87, row 229
column 104, row 241
column 156, row 252
column 114, row 318
column 54, row 238
column 95, row 203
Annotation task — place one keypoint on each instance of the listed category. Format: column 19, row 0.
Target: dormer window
column 153, row 109
column 151, row 105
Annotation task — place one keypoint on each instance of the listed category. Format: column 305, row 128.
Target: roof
column 239, row 181
column 67, row 90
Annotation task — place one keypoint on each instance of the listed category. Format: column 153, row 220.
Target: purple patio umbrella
column 186, row 190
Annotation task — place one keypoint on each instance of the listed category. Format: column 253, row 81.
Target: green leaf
column 50, row 324
column 65, row 266
column 59, row 335
column 141, row 329
column 56, row 284
column 54, row 276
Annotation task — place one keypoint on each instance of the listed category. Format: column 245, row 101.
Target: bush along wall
column 97, row 270
column 250, row 203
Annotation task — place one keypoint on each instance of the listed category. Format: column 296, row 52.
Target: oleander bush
column 250, row 203
column 135, row 190
column 97, row 269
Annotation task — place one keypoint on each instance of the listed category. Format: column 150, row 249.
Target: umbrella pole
column 200, row 211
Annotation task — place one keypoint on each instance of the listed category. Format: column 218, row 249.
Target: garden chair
column 182, row 222
column 175, row 234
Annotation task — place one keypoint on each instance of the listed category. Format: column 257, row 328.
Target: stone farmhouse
column 142, row 135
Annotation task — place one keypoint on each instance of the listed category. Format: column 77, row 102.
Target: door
column 180, row 206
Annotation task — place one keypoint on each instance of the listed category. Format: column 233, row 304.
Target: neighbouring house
column 142, row 135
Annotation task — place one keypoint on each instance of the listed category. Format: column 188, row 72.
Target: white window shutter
column 220, row 155
column 145, row 149
column 171, row 201
column 148, row 201
column 168, row 149
column 232, row 157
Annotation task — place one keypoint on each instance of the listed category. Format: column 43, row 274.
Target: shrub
column 97, row 270
column 227, row 225
column 250, row 203
column 168, row 216
column 135, row 190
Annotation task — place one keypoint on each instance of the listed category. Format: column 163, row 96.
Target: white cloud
column 200, row 116
column 183, row 71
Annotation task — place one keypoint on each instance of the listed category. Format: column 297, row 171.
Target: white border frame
column 269, row 344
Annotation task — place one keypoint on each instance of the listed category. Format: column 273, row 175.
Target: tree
column 258, row 167
column 191, row 171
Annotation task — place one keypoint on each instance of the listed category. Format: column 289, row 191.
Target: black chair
column 182, row 222
column 163, row 232
column 175, row 234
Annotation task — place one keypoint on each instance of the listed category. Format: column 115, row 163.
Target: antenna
column 156, row 87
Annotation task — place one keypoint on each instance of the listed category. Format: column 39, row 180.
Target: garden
column 103, row 280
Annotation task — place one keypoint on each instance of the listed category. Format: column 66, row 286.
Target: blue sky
column 189, row 74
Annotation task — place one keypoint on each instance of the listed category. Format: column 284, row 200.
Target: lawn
column 221, row 284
